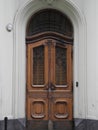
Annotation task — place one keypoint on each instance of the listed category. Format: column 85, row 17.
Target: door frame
column 19, row 51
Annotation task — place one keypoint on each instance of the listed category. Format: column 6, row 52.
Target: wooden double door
column 49, row 81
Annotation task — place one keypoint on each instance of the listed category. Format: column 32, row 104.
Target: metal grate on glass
column 49, row 20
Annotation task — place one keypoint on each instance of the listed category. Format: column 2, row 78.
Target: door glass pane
column 38, row 65
column 61, row 66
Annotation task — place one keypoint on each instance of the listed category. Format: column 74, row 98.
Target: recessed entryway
column 49, row 45
column 25, row 12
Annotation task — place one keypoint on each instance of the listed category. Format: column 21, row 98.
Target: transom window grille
column 49, row 20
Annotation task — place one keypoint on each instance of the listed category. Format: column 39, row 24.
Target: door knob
column 52, row 86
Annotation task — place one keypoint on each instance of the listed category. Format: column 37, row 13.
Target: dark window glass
column 38, row 65
column 61, row 66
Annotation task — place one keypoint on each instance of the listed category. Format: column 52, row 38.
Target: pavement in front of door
column 78, row 124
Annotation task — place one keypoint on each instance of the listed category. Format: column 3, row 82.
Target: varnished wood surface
column 49, row 101
column 51, row 35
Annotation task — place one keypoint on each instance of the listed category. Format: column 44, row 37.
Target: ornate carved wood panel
column 49, row 81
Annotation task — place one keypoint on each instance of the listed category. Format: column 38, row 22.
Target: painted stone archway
column 19, row 60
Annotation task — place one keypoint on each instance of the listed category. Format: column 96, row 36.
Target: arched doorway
column 26, row 10
column 49, row 43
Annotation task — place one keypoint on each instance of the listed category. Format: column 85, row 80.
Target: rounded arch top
column 67, row 7
column 50, row 20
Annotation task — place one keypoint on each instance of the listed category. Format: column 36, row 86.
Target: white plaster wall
column 89, row 10
column 96, row 79
column 8, row 11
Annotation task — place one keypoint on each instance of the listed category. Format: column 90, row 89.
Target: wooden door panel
column 37, row 66
column 61, row 109
column 63, row 69
column 37, row 108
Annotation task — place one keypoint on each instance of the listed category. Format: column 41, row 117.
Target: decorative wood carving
column 61, row 111
column 38, row 109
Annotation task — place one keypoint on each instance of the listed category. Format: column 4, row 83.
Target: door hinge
column 77, row 84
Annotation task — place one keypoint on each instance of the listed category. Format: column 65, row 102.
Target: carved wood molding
column 51, row 35
column 53, row 94
column 38, row 95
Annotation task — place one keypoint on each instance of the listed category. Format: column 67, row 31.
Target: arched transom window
column 49, row 20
